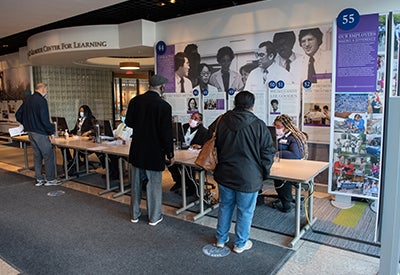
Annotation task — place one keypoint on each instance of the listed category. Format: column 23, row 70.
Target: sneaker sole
column 52, row 184
column 157, row 222
column 244, row 248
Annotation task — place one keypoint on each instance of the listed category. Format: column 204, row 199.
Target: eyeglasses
column 205, row 74
column 260, row 55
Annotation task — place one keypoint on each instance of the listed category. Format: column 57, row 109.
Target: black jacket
column 87, row 125
column 201, row 135
column 150, row 117
column 245, row 151
column 34, row 115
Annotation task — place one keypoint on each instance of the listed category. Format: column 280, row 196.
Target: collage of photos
column 357, row 132
column 357, row 144
column 271, row 65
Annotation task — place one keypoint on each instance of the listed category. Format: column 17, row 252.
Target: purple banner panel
column 166, row 67
column 356, row 59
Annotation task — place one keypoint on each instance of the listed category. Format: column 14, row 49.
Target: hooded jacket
column 245, row 151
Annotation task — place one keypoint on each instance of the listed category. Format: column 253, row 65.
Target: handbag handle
column 216, row 126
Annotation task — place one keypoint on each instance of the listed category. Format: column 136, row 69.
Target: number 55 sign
column 348, row 19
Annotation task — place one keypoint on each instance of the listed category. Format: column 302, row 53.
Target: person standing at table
column 292, row 144
column 34, row 116
column 151, row 148
column 245, row 153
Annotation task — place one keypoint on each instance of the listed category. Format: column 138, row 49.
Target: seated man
column 195, row 135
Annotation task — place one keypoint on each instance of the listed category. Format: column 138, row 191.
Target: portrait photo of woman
column 192, row 105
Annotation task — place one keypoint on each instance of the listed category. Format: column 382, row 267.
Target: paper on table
column 16, row 131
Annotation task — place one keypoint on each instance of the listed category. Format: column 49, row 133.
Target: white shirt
column 187, row 84
column 123, row 132
column 258, row 80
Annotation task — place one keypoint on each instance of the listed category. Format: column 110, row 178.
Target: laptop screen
column 61, row 123
column 177, row 132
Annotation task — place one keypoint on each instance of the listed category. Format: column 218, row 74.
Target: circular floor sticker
column 56, row 193
column 213, row 251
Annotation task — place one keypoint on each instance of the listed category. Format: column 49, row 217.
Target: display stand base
column 373, row 206
column 342, row 202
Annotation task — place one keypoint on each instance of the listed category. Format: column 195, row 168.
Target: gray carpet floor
column 78, row 233
column 359, row 239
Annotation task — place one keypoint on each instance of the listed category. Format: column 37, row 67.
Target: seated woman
column 292, row 144
column 84, row 126
column 195, row 135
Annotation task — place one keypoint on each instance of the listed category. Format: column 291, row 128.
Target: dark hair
column 244, row 100
column 299, row 136
column 179, row 60
column 190, row 49
column 271, row 49
column 247, row 68
column 289, row 37
column 274, row 101
column 225, row 51
column 316, row 32
column 86, row 111
column 202, row 65
column 200, row 115
column 190, row 100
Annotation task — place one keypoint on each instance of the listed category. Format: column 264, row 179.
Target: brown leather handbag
column 207, row 158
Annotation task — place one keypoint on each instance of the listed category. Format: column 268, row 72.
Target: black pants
column 177, row 177
column 112, row 165
column 284, row 190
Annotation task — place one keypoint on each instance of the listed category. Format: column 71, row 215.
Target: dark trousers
column 177, row 177
column 112, row 164
column 284, row 190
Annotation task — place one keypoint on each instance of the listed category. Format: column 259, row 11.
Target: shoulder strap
column 216, row 125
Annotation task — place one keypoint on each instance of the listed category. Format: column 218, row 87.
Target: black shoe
column 175, row 187
column 260, row 200
column 278, row 205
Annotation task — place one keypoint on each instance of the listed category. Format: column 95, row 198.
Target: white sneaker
column 135, row 220
column 52, row 182
column 156, row 222
column 40, row 182
column 221, row 245
column 246, row 246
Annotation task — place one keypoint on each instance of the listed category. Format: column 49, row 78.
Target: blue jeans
column 245, row 203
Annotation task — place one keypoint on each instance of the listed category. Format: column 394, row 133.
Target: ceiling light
column 129, row 65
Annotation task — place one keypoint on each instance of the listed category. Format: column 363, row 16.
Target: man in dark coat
column 150, row 117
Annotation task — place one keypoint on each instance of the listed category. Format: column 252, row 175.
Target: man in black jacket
column 245, row 153
column 34, row 116
column 195, row 135
column 150, row 117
